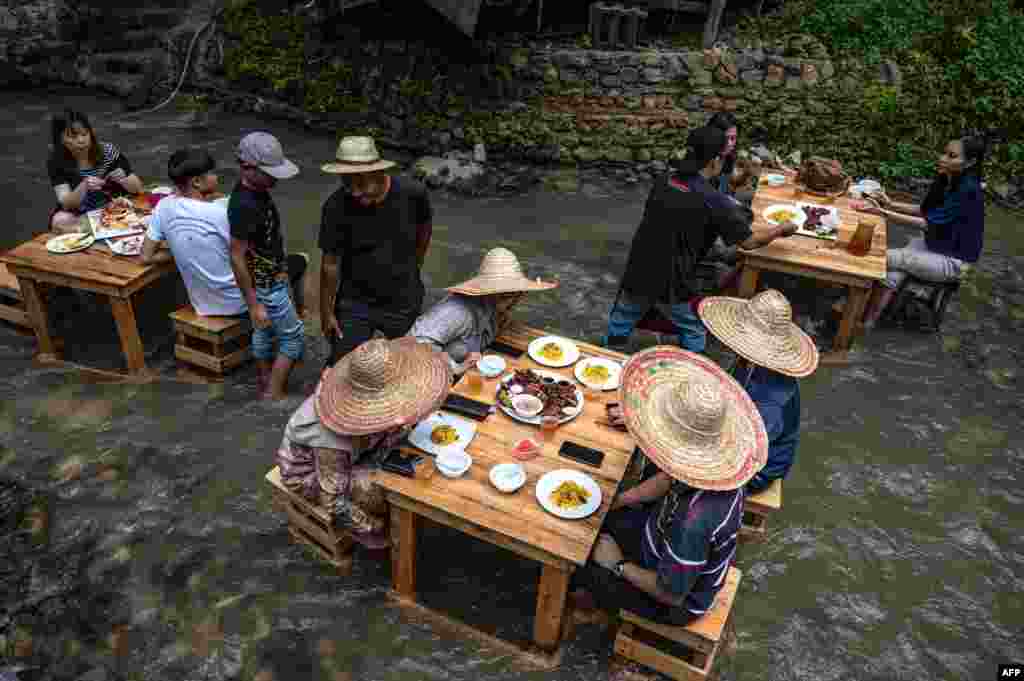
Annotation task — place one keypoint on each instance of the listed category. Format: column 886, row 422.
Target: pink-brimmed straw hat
column 500, row 272
column 382, row 385
column 693, row 420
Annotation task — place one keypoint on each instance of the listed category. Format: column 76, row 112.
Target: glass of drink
column 548, row 426
column 474, row 382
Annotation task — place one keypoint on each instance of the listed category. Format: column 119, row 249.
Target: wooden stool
column 12, row 306
column 700, row 640
column 933, row 298
column 311, row 526
column 217, row 344
column 757, row 508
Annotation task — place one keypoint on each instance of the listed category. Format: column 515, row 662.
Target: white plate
column 550, row 481
column 798, row 220
column 508, row 477
column 570, row 353
column 775, row 180
column 833, row 216
column 614, row 373
column 57, row 243
column 131, row 245
column 420, row 435
column 535, row 420
column 101, row 232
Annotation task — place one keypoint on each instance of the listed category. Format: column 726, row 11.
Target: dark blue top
column 778, row 400
column 956, row 226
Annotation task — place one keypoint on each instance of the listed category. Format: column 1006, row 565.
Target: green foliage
column 331, row 90
column 271, row 47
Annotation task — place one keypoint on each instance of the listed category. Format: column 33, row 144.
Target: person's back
column 777, row 398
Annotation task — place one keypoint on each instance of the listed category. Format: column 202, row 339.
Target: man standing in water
column 259, row 264
column 374, row 235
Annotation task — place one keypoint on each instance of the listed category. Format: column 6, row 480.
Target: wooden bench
column 12, row 305
column 757, row 508
column 311, row 526
column 217, row 344
column 698, row 642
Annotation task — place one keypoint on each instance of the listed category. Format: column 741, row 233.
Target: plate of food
column 129, row 245
column 822, row 221
column 552, row 351
column 568, row 494
column 784, row 212
column 442, row 432
column 120, row 217
column 559, row 396
column 598, row 373
column 70, row 243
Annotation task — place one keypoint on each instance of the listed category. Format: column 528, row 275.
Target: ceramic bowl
column 508, row 477
column 869, row 186
column 453, row 464
column 491, row 366
column 774, row 180
column 527, row 405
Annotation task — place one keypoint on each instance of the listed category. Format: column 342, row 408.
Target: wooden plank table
column 515, row 521
column 817, row 259
column 95, row 269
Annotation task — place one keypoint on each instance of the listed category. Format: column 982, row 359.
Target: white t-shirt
column 199, row 237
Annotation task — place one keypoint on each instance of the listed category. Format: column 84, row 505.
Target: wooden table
column 515, row 521
column 817, row 258
column 95, row 269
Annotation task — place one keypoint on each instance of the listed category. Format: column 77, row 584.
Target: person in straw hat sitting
column 667, row 561
column 773, row 353
column 374, row 235
column 474, row 313
column 366, row 403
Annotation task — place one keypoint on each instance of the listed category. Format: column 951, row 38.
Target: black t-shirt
column 254, row 218
column 682, row 218
column 62, row 171
column 377, row 244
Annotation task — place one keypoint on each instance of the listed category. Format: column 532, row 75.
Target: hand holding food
column 93, row 184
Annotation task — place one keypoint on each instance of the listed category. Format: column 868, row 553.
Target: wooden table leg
column 551, row 595
column 748, row 281
column 128, row 330
column 36, row 308
column 403, row 552
column 851, row 316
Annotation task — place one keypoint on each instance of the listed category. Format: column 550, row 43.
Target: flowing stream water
column 156, row 552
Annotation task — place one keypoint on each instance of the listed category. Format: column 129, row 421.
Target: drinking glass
column 474, row 382
column 548, row 426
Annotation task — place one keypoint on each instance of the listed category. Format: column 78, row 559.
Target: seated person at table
column 196, row 231
column 683, row 217
column 363, row 406
column 667, row 562
column 737, row 175
column 84, row 172
column 474, row 313
column 952, row 217
column 773, row 352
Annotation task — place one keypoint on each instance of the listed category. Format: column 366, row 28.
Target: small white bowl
column 508, row 477
column 491, row 366
column 774, row 180
column 453, row 464
column 870, row 186
column 527, row 405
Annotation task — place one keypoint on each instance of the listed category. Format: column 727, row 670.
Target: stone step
column 140, row 39
column 125, row 62
column 111, row 22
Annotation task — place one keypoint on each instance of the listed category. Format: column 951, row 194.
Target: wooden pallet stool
column 699, row 641
column 12, row 306
column 757, row 508
column 310, row 525
column 216, row 344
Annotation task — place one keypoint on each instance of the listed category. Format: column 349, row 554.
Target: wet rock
column 439, row 172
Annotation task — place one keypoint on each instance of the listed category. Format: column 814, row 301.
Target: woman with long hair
column 84, row 172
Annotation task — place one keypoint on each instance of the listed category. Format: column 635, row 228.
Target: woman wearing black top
column 85, row 173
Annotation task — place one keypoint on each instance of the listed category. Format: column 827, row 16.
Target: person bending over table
column 363, row 406
column 683, row 216
column 952, row 217
column 476, row 311
column 667, row 562
column 85, row 173
column 773, row 353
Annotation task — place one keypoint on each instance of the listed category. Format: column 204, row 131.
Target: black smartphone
column 504, row 349
column 591, row 457
column 466, row 406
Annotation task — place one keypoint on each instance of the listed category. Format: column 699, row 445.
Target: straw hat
column 761, row 330
column 357, row 155
column 381, row 385
column 693, row 420
column 500, row 272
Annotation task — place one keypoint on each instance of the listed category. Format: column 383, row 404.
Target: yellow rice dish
column 596, row 373
column 552, row 352
column 569, row 495
column 782, row 216
column 444, row 436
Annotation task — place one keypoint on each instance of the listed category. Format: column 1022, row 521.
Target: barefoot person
column 696, row 424
column 365, row 404
column 773, row 353
column 259, row 263
column 475, row 312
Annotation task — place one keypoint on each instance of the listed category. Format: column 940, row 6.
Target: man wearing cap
column 259, row 262
column 773, row 353
column 374, row 234
column 696, row 424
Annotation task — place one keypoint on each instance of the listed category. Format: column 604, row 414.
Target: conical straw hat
column 693, row 420
column 761, row 330
column 356, row 155
column 500, row 272
column 382, row 385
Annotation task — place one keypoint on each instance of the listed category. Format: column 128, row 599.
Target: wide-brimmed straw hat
column 500, row 272
column 357, row 155
column 382, row 385
column 693, row 420
column 761, row 330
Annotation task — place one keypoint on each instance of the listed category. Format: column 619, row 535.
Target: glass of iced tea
column 548, row 426
column 474, row 382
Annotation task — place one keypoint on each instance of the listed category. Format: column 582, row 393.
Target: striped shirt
column 690, row 541
column 68, row 173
